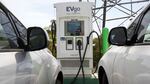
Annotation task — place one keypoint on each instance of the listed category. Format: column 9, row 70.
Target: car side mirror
column 36, row 38
column 118, row 36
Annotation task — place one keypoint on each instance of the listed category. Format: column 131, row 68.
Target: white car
column 128, row 59
column 24, row 57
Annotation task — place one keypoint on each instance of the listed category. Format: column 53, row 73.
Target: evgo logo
column 72, row 9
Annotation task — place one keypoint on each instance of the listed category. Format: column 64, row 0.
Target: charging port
column 79, row 41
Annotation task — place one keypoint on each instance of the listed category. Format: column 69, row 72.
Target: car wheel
column 59, row 79
column 104, row 79
column 58, row 82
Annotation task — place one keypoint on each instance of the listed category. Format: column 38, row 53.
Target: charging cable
column 53, row 30
column 81, row 64
column 79, row 43
column 98, row 45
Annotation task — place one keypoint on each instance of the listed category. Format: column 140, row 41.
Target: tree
column 51, row 45
column 97, row 54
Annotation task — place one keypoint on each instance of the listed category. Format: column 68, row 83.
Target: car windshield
column 3, row 39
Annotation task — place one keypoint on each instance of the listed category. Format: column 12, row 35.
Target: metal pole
column 133, row 2
column 105, row 30
column 80, row 0
column 104, row 13
column 131, row 7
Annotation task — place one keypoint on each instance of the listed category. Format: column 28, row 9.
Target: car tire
column 58, row 81
column 104, row 79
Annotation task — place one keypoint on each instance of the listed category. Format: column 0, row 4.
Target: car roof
column 143, row 9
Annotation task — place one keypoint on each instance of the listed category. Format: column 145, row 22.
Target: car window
column 20, row 27
column 8, row 38
column 144, row 29
column 132, row 29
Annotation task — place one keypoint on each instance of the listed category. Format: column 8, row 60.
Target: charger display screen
column 74, row 28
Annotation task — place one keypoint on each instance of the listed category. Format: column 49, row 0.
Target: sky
column 33, row 12
column 116, row 13
column 41, row 12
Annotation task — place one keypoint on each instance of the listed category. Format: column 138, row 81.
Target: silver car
column 24, row 57
column 128, row 59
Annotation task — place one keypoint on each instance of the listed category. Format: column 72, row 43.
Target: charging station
column 74, row 23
